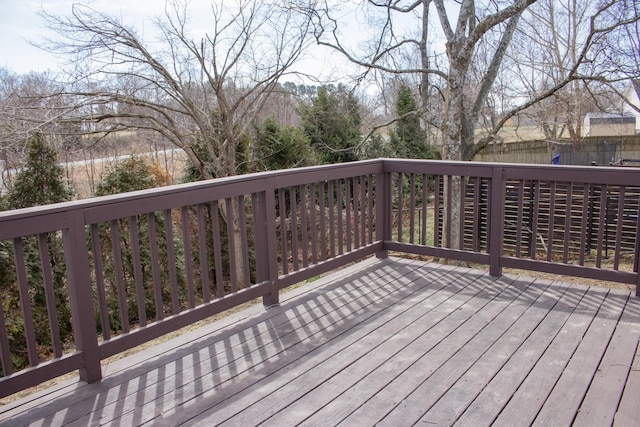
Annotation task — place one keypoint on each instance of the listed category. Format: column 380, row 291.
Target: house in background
column 609, row 124
column 631, row 104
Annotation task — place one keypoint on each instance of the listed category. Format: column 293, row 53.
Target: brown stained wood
column 500, row 379
column 52, row 312
column 312, row 223
column 155, row 266
column 5, row 355
column 608, row 226
column 604, row 394
column 527, row 400
column 217, row 247
column 100, row 285
column 121, row 292
column 517, row 320
column 323, row 221
column 137, row 270
column 349, row 348
column 202, row 249
column 284, row 235
column 564, row 401
column 294, row 227
column 629, row 411
column 171, row 258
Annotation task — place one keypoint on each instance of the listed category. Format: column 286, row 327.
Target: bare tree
column 477, row 37
column 200, row 92
column 546, row 56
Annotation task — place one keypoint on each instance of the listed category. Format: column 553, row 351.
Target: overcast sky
column 20, row 24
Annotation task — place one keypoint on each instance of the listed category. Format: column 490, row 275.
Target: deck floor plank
column 629, row 411
column 604, row 394
column 504, row 337
column 394, row 351
column 346, row 351
column 565, row 399
column 350, row 395
column 526, row 402
column 388, row 342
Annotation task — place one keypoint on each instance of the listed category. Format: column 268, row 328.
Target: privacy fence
column 83, row 281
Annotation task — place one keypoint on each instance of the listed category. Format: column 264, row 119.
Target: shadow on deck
column 388, row 342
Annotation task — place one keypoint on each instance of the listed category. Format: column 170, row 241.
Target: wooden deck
column 389, row 342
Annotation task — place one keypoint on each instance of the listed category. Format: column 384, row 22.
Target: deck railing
column 83, row 281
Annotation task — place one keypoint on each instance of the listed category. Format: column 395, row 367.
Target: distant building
column 632, row 99
column 609, row 124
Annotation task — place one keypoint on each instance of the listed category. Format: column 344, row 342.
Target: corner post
column 383, row 211
column 266, row 244
column 496, row 220
column 81, row 296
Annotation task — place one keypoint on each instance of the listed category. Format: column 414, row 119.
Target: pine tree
column 332, row 124
column 41, row 181
column 408, row 139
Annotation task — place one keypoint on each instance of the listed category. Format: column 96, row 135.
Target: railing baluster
column 188, row 261
column 217, row 248
column 620, row 220
column 355, row 200
column 519, row 217
column 294, row 228
column 370, row 198
column 412, row 207
column 314, row 231
column 348, row 208
column 202, row 249
column 400, row 205
column 25, row 302
column 476, row 215
column 340, row 202
column 119, row 275
column 171, row 255
column 47, row 279
column 332, row 219
column 155, row 265
column 585, row 217
column 463, row 197
column 244, row 241
column 602, row 216
column 282, row 209
column 323, row 222
column 99, row 272
column 436, row 211
column 551, row 222
column 304, row 226
column 533, row 249
column 233, row 272
column 567, row 223
column 137, row 270
column 423, row 225
column 5, row 354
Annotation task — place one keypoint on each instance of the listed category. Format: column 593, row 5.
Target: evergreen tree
column 133, row 174
column 280, row 147
column 408, row 139
column 41, row 181
column 332, row 124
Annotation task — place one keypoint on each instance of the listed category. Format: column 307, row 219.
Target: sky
column 21, row 27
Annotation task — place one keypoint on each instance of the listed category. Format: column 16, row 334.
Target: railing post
column 496, row 220
column 81, row 296
column 383, row 211
column 266, row 244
